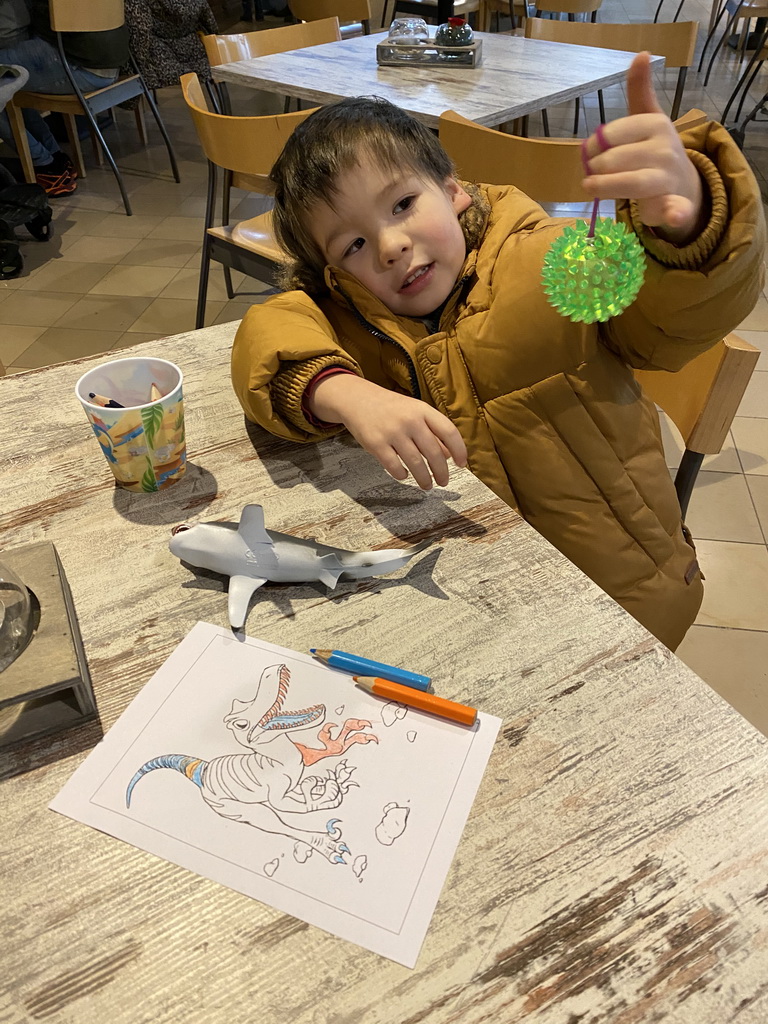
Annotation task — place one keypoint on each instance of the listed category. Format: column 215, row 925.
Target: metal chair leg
column 709, row 38
column 205, row 256
column 731, row 22
column 685, row 478
column 576, row 116
column 545, row 122
column 601, row 106
column 156, row 114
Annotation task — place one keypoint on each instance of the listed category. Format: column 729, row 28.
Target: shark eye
column 180, row 529
column 241, row 723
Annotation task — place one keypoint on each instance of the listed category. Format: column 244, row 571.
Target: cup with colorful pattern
column 136, row 410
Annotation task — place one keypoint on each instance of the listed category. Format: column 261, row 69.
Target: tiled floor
column 106, row 281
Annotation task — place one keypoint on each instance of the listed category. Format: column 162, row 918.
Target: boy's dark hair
column 329, row 142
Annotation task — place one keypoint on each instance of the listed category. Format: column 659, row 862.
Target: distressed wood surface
column 613, row 869
column 517, row 76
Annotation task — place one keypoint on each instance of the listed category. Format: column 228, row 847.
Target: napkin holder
column 428, row 54
column 48, row 687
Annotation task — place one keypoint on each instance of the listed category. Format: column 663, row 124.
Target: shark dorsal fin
column 252, row 528
column 241, row 590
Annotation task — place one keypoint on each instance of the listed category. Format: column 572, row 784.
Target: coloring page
column 273, row 774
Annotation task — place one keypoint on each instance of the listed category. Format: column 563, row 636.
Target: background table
column 612, row 870
column 516, row 77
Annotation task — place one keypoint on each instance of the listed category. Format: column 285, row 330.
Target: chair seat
column 66, row 103
column 256, row 235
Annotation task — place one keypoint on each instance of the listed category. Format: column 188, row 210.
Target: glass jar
column 15, row 616
column 455, row 32
column 408, row 32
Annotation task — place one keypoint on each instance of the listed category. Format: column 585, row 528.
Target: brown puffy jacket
column 552, row 417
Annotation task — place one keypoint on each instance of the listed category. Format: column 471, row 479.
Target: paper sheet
column 274, row 775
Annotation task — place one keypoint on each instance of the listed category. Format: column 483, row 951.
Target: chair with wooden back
column 569, row 7
column 245, row 148
column 225, row 49
column 675, row 41
column 85, row 16
column 354, row 15
column 703, row 397
column 511, row 9
column 427, row 9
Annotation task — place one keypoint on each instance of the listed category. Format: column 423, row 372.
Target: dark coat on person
column 164, row 40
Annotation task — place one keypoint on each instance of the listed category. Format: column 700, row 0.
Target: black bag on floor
column 20, row 204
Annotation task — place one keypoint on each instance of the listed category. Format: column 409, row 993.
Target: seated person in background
column 418, row 322
column 26, row 38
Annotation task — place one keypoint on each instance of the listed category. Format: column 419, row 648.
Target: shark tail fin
column 192, row 767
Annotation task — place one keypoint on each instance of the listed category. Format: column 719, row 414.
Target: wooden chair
column 703, row 397
column 737, row 11
column 225, row 49
column 427, row 9
column 569, row 7
column 86, row 16
column 354, row 15
column 512, row 9
column 675, row 41
column 702, row 400
column 245, row 149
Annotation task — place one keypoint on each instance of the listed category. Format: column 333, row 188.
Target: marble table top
column 517, row 76
column 613, row 866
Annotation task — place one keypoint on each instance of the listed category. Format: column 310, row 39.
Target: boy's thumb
column 641, row 96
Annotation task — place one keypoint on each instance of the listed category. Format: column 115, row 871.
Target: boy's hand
column 404, row 434
column 646, row 161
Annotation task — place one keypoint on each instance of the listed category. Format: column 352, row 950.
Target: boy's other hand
column 403, row 433
column 647, row 162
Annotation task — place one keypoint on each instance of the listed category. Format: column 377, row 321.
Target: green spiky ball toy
column 593, row 271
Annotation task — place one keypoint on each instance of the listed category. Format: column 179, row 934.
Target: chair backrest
column 548, row 170
column 344, row 10
column 86, row 15
column 673, row 40
column 567, row 6
column 702, row 398
column 241, row 46
column 245, row 145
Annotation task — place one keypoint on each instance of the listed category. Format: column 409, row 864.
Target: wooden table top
column 613, row 867
column 517, row 76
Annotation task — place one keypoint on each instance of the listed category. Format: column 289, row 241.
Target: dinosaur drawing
column 267, row 787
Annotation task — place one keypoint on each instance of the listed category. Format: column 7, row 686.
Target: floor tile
column 103, row 312
column 721, row 508
column 757, row 319
column 99, row 249
column 751, row 439
column 736, row 584
column 116, row 225
column 758, row 489
column 734, row 662
column 234, row 310
column 162, row 252
column 64, row 276
column 760, row 340
column 35, row 309
column 78, row 221
column 124, row 279
column 184, row 285
column 755, row 400
column 188, row 228
column 15, row 340
column 57, row 344
column 172, row 316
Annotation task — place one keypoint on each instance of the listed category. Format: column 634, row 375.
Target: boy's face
column 397, row 233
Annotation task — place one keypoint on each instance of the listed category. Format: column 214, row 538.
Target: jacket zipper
column 385, row 337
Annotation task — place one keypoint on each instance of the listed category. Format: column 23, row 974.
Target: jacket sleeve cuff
column 288, row 386
column 695, row 254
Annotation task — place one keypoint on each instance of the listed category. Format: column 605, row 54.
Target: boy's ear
column 460, row 200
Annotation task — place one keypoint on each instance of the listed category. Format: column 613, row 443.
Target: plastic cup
column 143, row 441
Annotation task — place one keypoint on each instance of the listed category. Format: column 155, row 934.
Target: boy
column 420, row 325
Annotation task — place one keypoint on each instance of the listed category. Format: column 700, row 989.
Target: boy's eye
column 405, row 204
column 354, row 247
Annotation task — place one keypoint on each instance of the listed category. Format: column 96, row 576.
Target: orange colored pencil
column 417, row 699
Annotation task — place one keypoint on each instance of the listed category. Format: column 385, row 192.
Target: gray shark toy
column 251, row 555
